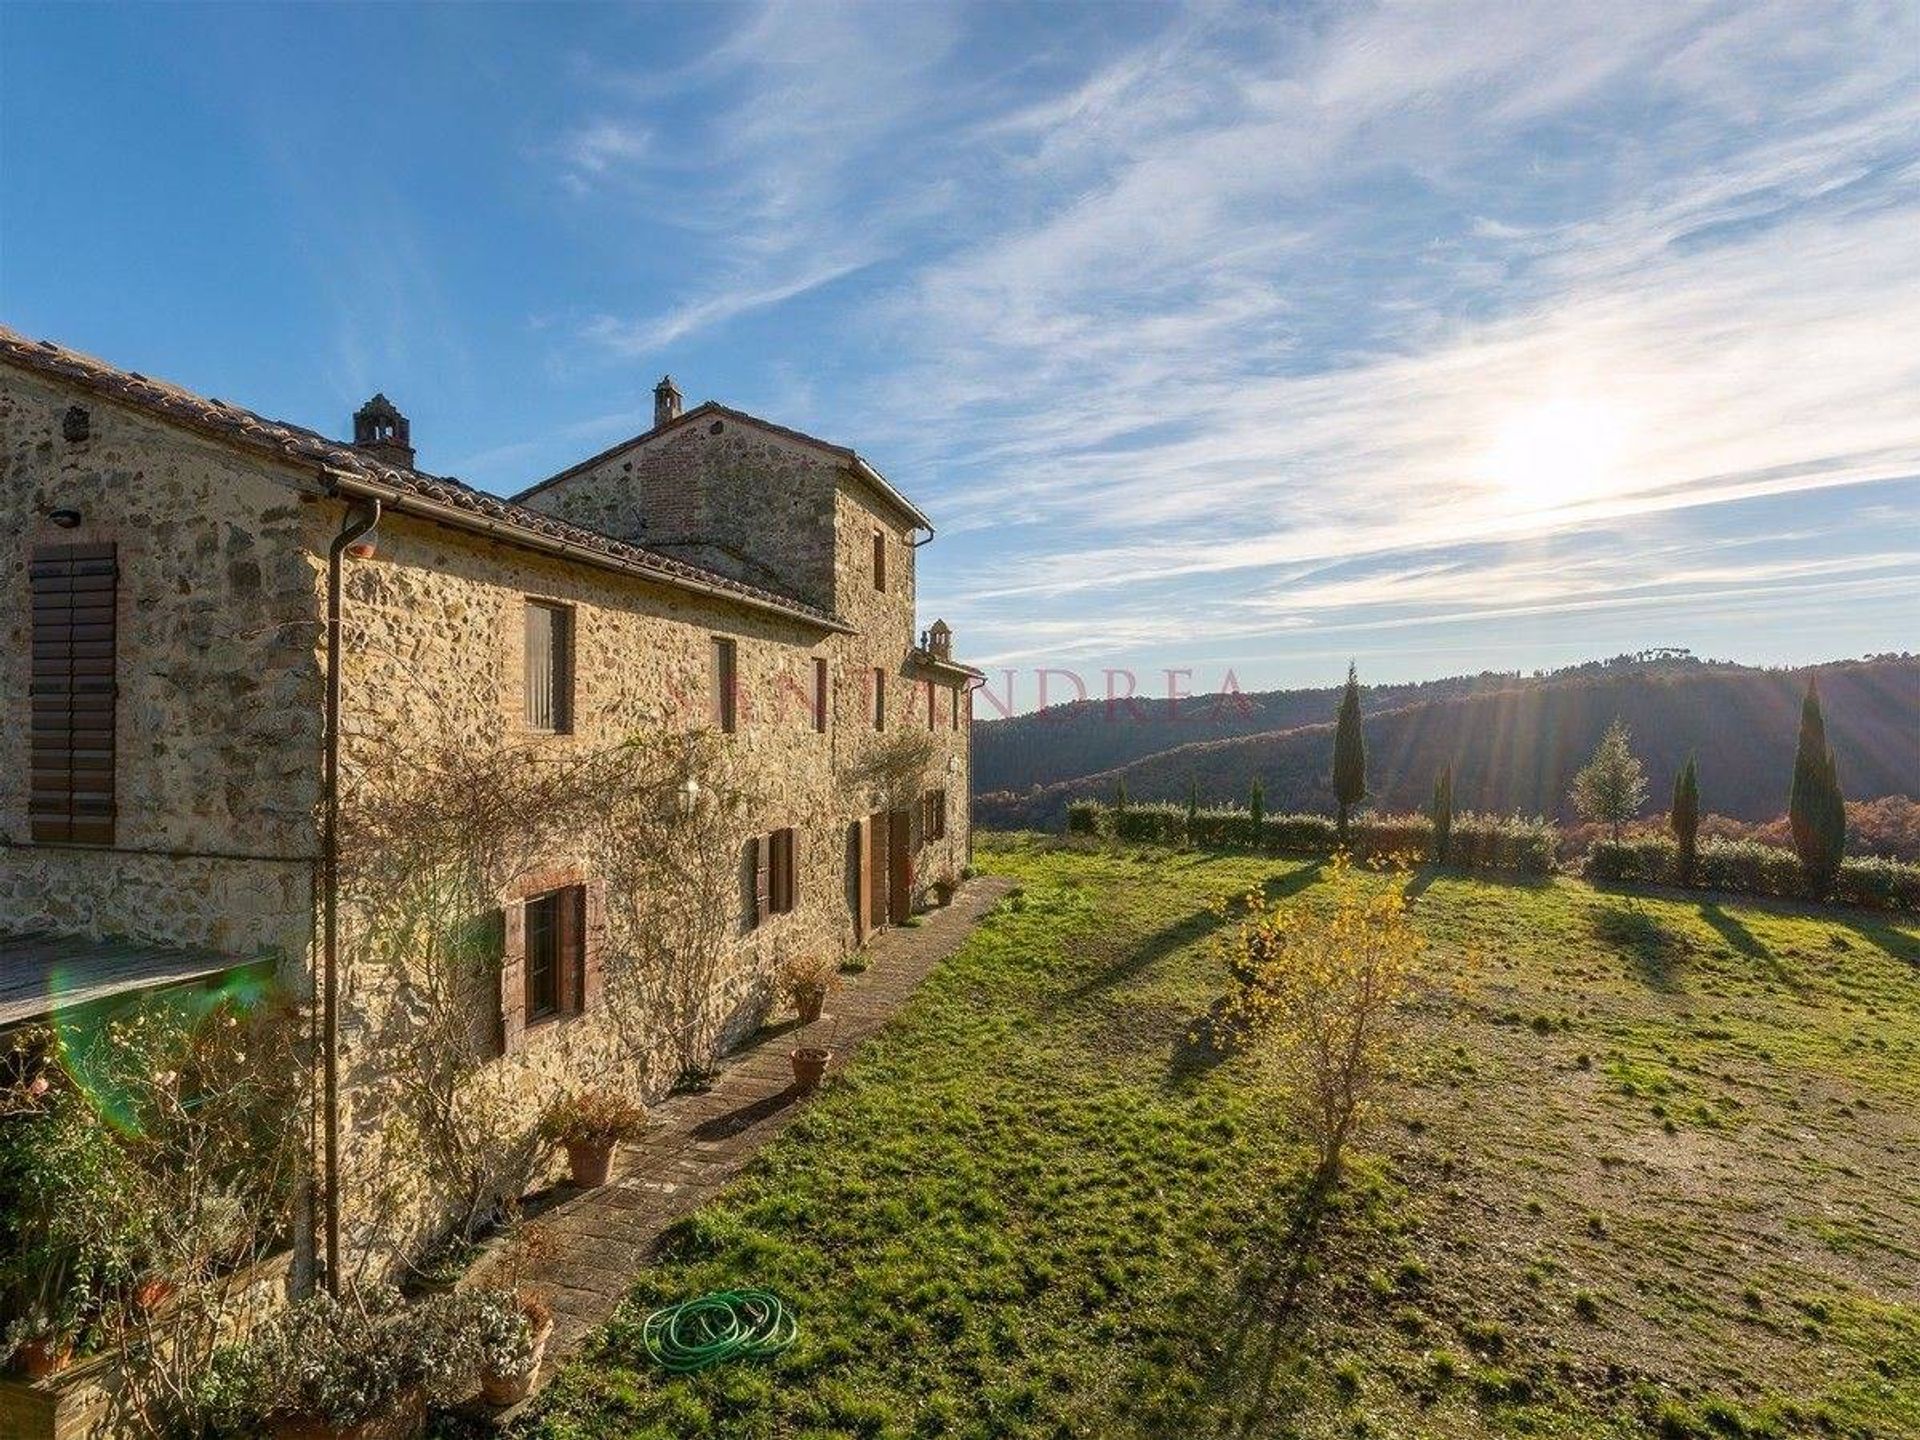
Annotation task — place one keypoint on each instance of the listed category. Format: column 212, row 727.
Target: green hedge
column 1479, row 842
column 1745, row 867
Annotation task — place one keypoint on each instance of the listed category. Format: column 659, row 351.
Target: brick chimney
column 666, row 401
column 382, row 431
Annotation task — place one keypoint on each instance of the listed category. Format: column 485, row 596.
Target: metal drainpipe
column 362, row 516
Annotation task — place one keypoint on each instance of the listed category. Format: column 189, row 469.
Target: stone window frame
column 581, row 988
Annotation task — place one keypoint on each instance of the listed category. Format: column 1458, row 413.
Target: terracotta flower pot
column 505, row 1390
column 809, row 1065
column 151, row 1293
column 403, row 1420
column 590, row 1162
column 809, row 1002
column 43, row 1356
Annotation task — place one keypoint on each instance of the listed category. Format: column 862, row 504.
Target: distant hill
column 1514, row 741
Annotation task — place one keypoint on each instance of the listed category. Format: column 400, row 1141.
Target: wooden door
column 899, row 866
column 878, row 869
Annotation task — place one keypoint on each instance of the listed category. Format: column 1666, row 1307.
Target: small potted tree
column 805, row 982
column 42, row 1341
column 591, row 1124
column 511, row 1329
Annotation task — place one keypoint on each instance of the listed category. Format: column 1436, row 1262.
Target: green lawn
column 1656, row 1171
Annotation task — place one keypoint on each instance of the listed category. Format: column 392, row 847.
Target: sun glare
column 1557, row 452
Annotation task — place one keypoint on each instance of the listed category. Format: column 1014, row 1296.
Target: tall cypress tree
column 1816, row 810
column 1442, row 813
column 1193, row 803
column 1349, row 753
column 1684, row 817
column 1256, row 812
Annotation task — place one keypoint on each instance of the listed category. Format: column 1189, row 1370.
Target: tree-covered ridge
column 1514, row 743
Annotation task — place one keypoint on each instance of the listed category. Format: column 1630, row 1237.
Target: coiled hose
column 726, row 1325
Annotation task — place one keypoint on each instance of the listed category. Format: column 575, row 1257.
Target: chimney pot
column 666, row 401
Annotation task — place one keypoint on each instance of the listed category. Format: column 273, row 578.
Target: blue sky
column 1446, row 335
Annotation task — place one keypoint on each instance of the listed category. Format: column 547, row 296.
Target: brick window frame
column 580, row 986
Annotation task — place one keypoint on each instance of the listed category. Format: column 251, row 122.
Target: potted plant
column 511, row 1329
column 590, row 1125
column 41, row 1342
column 356, row 1367
column 805, row 981
column 810, row 1062
column 942, row 890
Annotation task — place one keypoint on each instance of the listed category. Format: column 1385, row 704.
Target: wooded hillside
column 1514, row 742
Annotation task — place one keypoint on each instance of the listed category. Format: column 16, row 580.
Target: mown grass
column 1655, row 1169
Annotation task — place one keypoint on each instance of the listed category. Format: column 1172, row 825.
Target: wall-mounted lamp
column 689, row 795
column 65, row 519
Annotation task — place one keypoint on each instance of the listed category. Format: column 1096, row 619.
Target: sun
column 1558, row 451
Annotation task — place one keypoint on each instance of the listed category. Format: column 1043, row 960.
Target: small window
column 821, row 694
column 549, row 684
column 775, row 888
column 556, row 952
column 726, row 685
column 879, row 559
column 933, row 815
column 879, row 698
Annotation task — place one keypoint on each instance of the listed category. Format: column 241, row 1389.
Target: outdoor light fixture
column 689, row 795
column 65, row 519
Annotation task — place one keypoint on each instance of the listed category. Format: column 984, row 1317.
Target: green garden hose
column 725, row 1325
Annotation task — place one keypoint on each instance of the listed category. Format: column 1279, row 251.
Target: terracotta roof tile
column 297, row 443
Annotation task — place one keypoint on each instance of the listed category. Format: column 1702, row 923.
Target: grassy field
column 1654, row 1169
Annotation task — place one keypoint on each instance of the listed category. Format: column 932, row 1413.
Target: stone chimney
column 666, row 401
column 382, row 431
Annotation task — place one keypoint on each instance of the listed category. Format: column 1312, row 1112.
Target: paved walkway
column 696, row 1143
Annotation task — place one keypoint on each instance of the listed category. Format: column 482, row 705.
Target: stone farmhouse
column 668, row 714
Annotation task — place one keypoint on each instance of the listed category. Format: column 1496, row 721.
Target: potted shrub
column 359, row 1367
column 942, row 891
column 805, row 981
column 590, row 1125
column 41, row 1342
column 511, row 1329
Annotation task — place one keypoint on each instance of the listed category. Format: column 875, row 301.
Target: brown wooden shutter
column 877, row 870
column 72, row 689
column 784, row 884
column 725, row 685
column 954, row 722
column 820, row 696
column 762, row 879
column 513, row 976
column 859, row 878
column 899, row 868
column 570, row 949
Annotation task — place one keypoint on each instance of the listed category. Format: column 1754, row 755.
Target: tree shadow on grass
column 1264, row 1317
column 1194, row 927
column 1731, row 930
column 1655, row 950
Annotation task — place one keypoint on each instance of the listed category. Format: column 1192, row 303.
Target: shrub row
column 1479, row 842
column 1746, row 867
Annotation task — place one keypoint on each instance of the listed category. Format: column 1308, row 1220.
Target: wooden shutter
column 72, row 689
column 820, row 696
column 879, row 698
column 899, row 867
column 877, row 870
column 513, row 976
column 955, row 714
column 932, row 693
column 780, row 864
column 724, row 681
column 879, row 560
column 548, row 667
column 859, row 878
column 762, row 879
column 570, row 949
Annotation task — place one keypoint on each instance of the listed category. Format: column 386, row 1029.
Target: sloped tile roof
column 446, row 499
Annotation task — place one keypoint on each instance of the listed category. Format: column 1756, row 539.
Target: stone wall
column 218, row 713
column 435, row 645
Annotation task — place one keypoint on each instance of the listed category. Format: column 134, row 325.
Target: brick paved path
column 697, row 1142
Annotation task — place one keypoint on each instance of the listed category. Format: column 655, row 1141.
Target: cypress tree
column 1193, row 804
column 1442, row 813
column 1120, row 793
column 1816, row 810
column 1256, row 812
column 1349, row 753
column 1684, row 817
